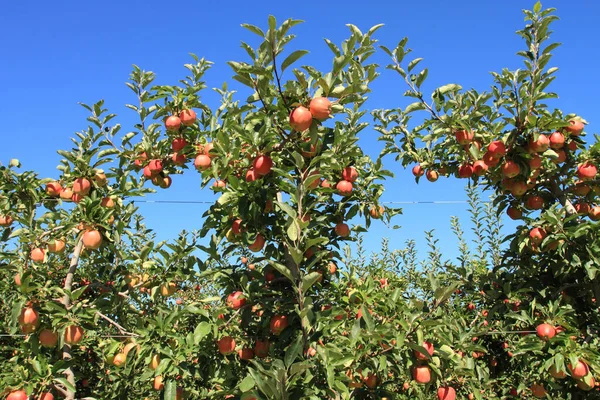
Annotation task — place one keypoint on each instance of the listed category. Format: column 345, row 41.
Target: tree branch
column 67, row 302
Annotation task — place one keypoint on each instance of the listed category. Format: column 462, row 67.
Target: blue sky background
column 55, row 54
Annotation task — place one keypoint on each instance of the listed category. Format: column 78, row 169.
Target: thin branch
column 122, row 330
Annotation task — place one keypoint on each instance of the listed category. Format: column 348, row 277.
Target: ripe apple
column 537, row 235
column 429, row 347
column 300, row 119
column 81, row 186
column 464, row 137
column 581, row 189
column 497, row 149
column 545, row 331
column 178, row 144
column 376, row 212
column 178, row 159
column 510, row 169
column 236, row 226
column 261, row 348
column 226, row 345
column 431, row 175
column 246, row 353
column 342, row 229
column 73, row 334
column 418, row 170
column 46, row 396
column 278, row 324
column 187, row 117
column 158, row 384
column 320, row 108
column 490, row 159
column 585, row 386
column 29, row 316
column 535, row 162
column 537, row 389
column 480, row 167
column 594, row 213
column 207, row 150
column 370, row 380
column 534, row 202
column 446, row 393
column 422, row 374
column 262, row 165
column 236, row 300
column 514, row 213
column 173, row 123
column 120, row 360
column 556, row 374
column 5, row 220
column 48, row 338
column 582, row 208
column 557, row 140
column 575, row 127
column 540, row 145
column 154, row 361
column 258, row 244
column 465, row 171
column 17, row 395
column 349, row 174
column 202, row 162
column 586, row 171
column 53, row 189
column 344, row 188
column 578, row 371
column 251, row 175
column 92, row 239
column 37, row 255
column 518, row 188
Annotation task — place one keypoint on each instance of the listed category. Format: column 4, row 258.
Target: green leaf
column 310, row 280
column 170, row 390
column 254, row 29
column 537, row 7
column 417, row 105
column 287, row 209
column 66, row 384
column 247, row 383
column 282, row 269
column 293, row 351
column 295, row 56
column 413, row 63
column 293, row 230
column 366, row 316
column 201, row 331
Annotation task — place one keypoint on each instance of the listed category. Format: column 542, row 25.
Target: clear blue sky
column 55, row 54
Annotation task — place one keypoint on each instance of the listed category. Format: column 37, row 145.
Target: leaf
column 413, row 63
column 287, row 209
column 65, row 383
column 310, row 280
column 417, row 105
column 293, row 230
column 537, row 7
column 282, row 269
column 247, row 383
column 366, row 316
column 201, row 331
column 295, row 56
column 170, row 390
column 293, row 351
column 254, row 29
